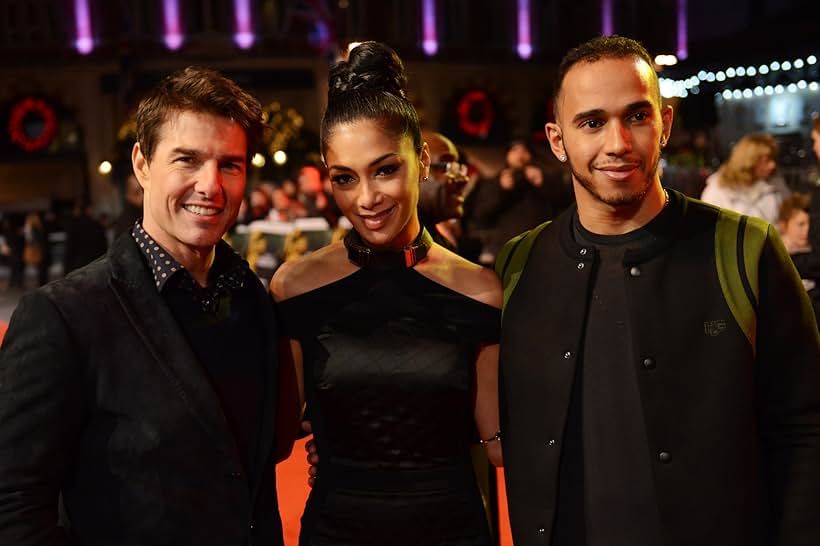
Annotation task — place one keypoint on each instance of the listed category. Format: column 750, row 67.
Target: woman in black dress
column 394, row 338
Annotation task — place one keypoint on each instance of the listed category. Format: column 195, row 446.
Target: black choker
column 364, row 256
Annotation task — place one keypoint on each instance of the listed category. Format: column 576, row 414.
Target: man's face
column 194, row 183
column 610, row 126
column 815, row 141
column 442, row 196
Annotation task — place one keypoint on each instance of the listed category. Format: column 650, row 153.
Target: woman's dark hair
column 371, row 84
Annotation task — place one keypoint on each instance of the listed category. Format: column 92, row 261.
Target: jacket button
column 582, row 252
column 664, row 456
column 580, row 265
column 567, row 355
column 551, row 443
column 649, row 363
column 236, row 475
column 541, row 530
column 635, row 271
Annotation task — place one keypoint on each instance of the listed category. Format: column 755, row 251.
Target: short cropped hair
column 602, row 47
column 199, row 90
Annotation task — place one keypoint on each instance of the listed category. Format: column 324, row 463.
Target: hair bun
column 370, row 67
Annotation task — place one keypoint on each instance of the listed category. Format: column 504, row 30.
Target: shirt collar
column 228, row 272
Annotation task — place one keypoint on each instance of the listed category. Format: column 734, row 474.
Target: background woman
column 744, row 183
column 394, row 338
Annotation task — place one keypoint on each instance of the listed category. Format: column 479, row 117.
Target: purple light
column 430, row 37
column 524, row 39
column 244, row 36
column 607, row 27
column 85, row 41
column 683, row 41
column 173, row 33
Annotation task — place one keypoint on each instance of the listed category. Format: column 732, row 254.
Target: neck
column 197, row 261
column 603, row 219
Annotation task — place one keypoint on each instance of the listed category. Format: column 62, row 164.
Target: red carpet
column 293, row 490
column 291, row 476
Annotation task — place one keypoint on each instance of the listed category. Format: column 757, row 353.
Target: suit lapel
column 152, row 320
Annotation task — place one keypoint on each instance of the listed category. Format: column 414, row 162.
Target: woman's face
column 795, row 231
column 765, row 167
column 375, row 178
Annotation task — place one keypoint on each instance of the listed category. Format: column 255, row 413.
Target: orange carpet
column 293, row 490
column 291, row 476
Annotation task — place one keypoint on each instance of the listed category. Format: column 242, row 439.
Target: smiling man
column 660, row 364
column 143, row 388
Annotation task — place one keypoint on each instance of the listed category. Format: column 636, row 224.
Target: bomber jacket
column 732, row 417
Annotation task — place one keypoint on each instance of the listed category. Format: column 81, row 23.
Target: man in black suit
column 143, row 388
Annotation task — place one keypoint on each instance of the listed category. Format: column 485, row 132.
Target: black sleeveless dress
column 389, row 364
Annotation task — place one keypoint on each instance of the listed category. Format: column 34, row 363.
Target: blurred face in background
column 518, row 156
column 442, row 195
column 815, row 141
column 795, row 230
column 765, row 167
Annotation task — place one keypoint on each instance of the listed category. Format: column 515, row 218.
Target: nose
column 618, row 138
column 369, row 195
column 208, row 179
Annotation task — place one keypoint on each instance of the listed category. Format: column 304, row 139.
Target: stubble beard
column 620, row 199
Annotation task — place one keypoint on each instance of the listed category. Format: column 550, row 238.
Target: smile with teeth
column 201, row 211
column 376, row 221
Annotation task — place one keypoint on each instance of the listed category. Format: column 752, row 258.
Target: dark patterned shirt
column 228, row 272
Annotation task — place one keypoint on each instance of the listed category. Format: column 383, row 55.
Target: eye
column 342, row 179
column 232, row 167
column 184, row 159
column 387, row 170
column 592, row 124
column 640, row 116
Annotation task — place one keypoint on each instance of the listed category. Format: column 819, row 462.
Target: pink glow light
column 524, row 39
column 607, row 26
column 173, row 34
column 683, row 39
column 244, row 36
column 428, row 16
column 85, row 41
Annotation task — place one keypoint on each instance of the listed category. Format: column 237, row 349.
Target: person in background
column 393, row 337
column 85, row 238
column 144, row 388
column 745, row 183
column 131, row 206
column 441, row 197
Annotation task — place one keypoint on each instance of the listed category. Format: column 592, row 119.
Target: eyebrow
column 374, row 162
column 631, row 107
column 197, row 153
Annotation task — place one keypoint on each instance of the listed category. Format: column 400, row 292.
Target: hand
column 312, row 454
column 534, row 175
column 506, row 179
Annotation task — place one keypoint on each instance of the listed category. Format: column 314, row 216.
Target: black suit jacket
column 103, row 400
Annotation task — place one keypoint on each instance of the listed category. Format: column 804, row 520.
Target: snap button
column 664, row 456
column 649, row 363
column 580, row 265
column 635, row 271
column 567, row 355
column 551, row 443
column 583, row 252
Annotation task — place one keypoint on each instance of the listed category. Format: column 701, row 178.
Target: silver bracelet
column 494, row 438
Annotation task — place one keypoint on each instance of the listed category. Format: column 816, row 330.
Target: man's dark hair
column 200, row 90
column 602, row 47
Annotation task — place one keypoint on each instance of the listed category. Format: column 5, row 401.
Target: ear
column 142, row 170
column 666, row 120
column 556, row 140
column 424, row 158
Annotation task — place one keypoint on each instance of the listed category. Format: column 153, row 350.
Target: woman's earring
column 424, row 179
column 562, row 158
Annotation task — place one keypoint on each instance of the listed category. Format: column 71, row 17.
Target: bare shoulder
column 324, row 266
column 463, row 276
